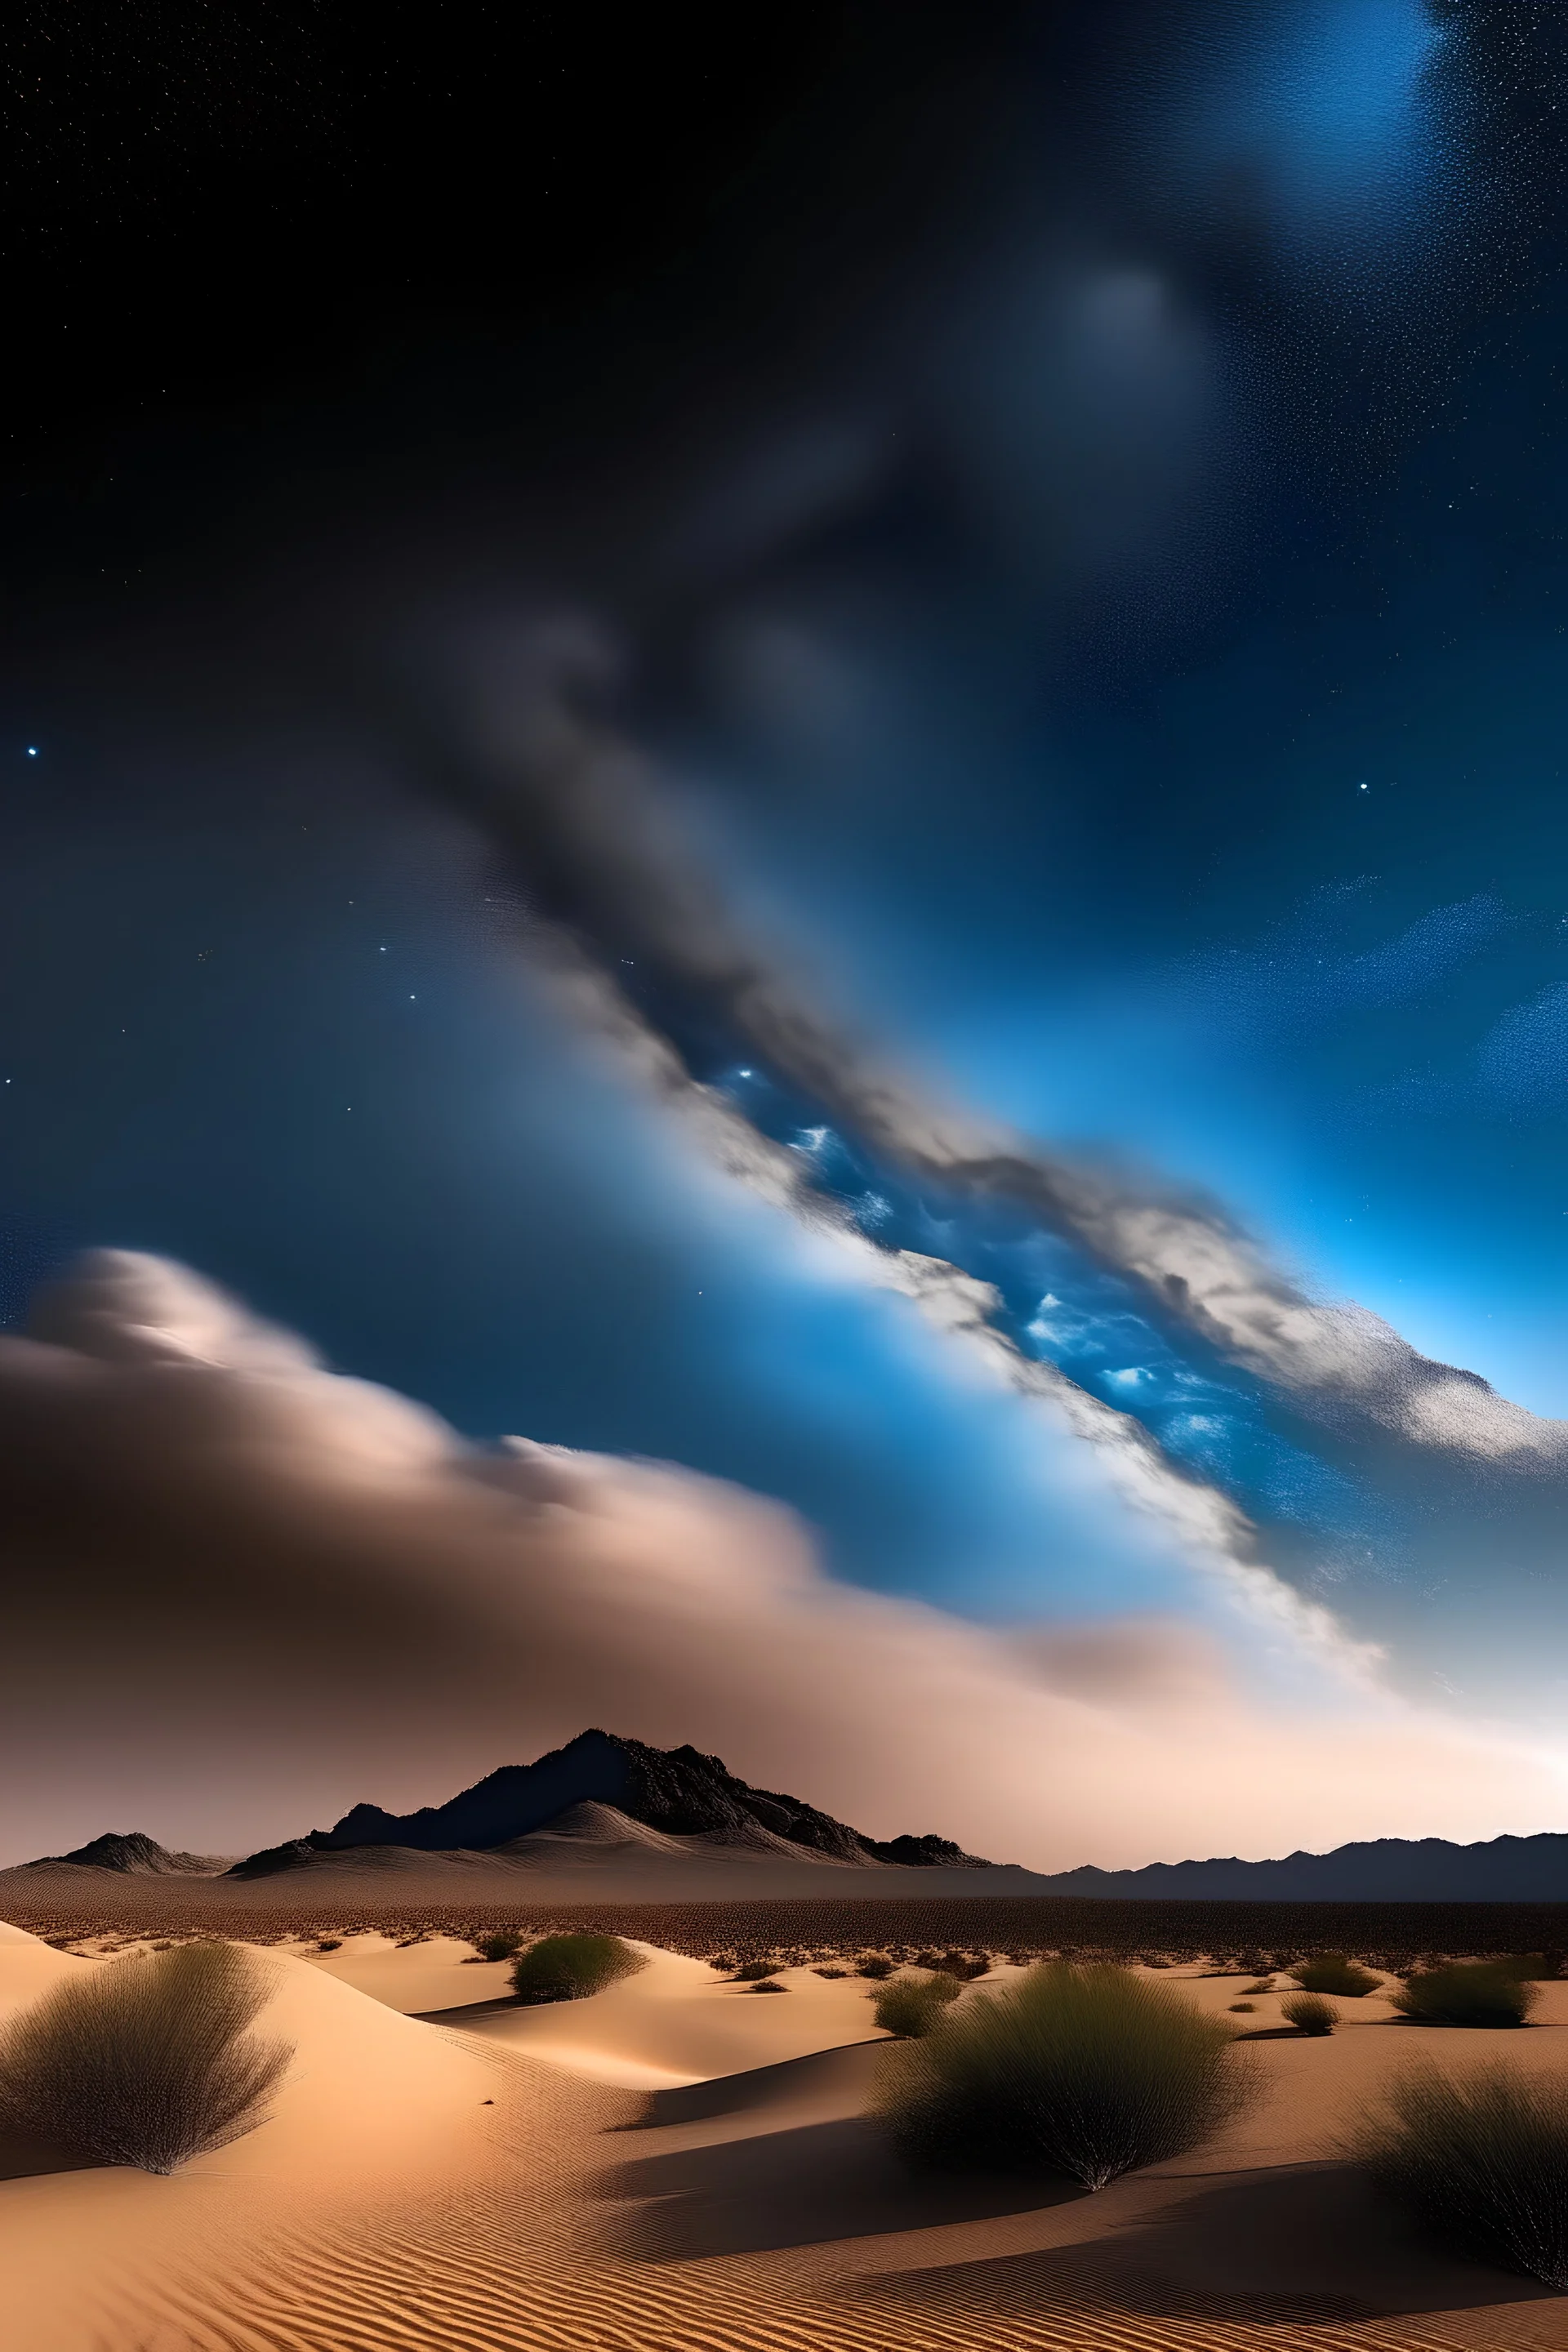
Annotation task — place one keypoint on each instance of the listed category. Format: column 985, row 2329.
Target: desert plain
column 680, row 2164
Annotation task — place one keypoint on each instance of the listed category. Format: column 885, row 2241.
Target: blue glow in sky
column 1159, row 745
column 1332, row 111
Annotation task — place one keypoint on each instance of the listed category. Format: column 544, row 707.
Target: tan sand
column 415, row 1978
column 677, row 2022
column 747, row 2205
column 372, row 2104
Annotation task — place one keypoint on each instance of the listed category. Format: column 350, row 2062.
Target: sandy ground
column 683, row 2165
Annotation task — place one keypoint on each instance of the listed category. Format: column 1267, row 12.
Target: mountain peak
column 677, row 1791
column 132, row 1852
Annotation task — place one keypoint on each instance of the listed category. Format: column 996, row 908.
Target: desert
column 629, row 2074
column 676, row 2161
column 783, row 1239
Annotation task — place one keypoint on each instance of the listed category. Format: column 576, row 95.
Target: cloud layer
column 567, row 797
column 241, row 1591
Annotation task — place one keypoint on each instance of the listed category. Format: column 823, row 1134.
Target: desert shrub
column 1532, row 1968
column 754, row 1971
column 964, row 1966
column 1243, row 2007
column 875, row 1964
column 1086, row 2071
column 913, row 2006
column 329, row 1943
column 147, row 2061
column 770, row 1984
column 1465, row 1992
column 570, row 1967
column 1332, row 1972
column 1482, row 2163
column 499, row 1944
column 1264, row 1984
column 830, row 1972
column 1308, row 2013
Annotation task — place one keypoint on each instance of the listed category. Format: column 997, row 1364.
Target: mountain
column 1375, row 1870
column 677, row 1791
column 130, row 1851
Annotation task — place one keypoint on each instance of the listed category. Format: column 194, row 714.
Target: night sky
column 590, row 602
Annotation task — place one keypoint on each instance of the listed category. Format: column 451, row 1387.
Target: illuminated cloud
column 569, row 799
column 241, row 1591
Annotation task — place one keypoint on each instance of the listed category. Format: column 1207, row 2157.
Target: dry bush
column 1332, row 1972
column 1483, row 2163
column 570, row 1967
column 913, row 2006
column 875, row 1964
column 147, row 2061
column 1243, row 2007
column 770, row 1984
column 830, row 1972
column 754, row 1971
column 499, row 1944
column 1086, row 2071
column 1467, row 1992
column 1309, row 2013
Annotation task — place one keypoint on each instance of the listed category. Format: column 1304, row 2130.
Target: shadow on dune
column 798, row 2185
column 1297, row 2242
column 24, row 2157
column 828, row 2083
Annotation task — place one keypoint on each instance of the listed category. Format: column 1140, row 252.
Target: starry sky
column 777, row 751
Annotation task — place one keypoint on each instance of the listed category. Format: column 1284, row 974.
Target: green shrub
column 500, row 1944
column 1467, row 1992
column 1332, row 1972
column 1483, row 2163
column 1088, row 2071
column 1308, row 2013
column 911, row 2006
column 570, row 1967
column 874, row 1965
column 147, row 2061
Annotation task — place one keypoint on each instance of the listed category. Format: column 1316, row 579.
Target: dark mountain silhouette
column 677, row 1791
column 129, row 1850
column 1376, row 1870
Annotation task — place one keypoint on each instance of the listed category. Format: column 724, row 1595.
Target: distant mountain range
column 1377, row 1870
column 696, row 1807
column 613, row 1808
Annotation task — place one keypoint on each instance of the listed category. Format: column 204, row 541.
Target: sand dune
column 677, row 2023
column 440, row 1973
column 680, row 2165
